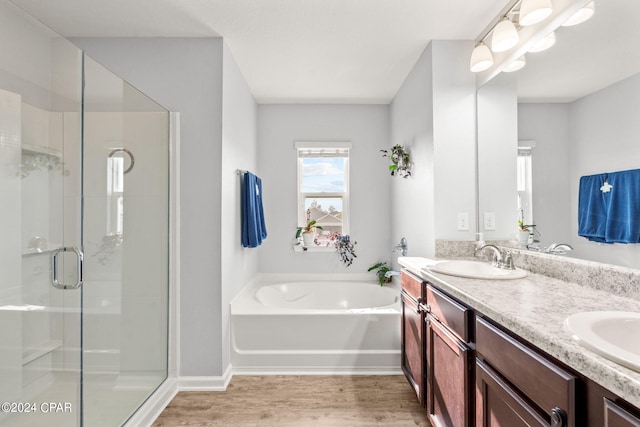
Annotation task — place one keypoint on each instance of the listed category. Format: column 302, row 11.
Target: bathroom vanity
column 494, row 352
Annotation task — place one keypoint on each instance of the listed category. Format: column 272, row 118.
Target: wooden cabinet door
column 449, row 399
column 498, row 405
column 615, row 416
column 412, row 344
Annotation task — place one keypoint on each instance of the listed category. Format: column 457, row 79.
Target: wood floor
column 299, row 401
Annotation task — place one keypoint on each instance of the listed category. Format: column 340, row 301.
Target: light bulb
column 580, row 16
column 516, row 65
column 504, row 37
column 534, row 11
column 545, row 43
column 481, row 58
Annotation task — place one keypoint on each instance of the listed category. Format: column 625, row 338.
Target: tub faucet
column 402, row 246
column 558, row 248
column 391, row 273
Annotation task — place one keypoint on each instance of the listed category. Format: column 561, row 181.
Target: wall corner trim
column 208, row 383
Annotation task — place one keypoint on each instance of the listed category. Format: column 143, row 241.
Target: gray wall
column 595, row 134
column 413, row 211
column 239, row 151
column 548, row 125
column 186, row 75
column 604, row 130
column 497, row 150
column 433, row 115
column 367, row 127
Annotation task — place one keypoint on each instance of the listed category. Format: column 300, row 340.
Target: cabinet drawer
column 615, row 416
column 457, row 317
column 545, row 384
column 411, row 285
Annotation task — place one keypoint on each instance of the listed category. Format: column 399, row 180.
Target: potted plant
column 381, row 269
column 400, row 161
column 525, row 233
column 307, row 232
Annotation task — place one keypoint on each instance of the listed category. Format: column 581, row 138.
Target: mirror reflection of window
column 115, row 195
column 525, row 182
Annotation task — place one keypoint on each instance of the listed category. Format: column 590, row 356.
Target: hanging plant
column 400, row 161
column 344, row 247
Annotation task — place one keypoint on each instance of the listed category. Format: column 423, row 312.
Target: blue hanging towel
column 592, row 208
column 254, row 230
column 623, row 210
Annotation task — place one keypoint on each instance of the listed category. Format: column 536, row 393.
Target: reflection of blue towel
column 613, row 216
column 253, row 226
column 592, row 208
column 623, row 213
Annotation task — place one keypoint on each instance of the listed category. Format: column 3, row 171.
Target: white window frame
column 324, row 149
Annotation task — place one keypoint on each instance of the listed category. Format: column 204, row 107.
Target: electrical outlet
column 463, row 221
column 489, row 220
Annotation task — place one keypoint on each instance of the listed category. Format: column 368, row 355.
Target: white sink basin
column 476, row 270
column 612, row 334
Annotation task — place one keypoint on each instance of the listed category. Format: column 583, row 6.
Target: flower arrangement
column 400, row 161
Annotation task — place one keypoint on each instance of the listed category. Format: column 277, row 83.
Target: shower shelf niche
column 31, row 354
column 39, row 150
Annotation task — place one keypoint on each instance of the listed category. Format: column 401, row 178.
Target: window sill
column 315, row 248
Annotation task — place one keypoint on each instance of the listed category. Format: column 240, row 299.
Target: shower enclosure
column 84, row 235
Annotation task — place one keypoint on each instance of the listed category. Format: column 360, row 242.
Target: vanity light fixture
column 504, row 36
column 580, row 16
column 534, row 11
column 481, row 58
column 545, row 43
column 516, row 65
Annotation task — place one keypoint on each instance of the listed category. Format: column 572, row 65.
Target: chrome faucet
column 501, row 259
column 402, row 246
column 558, row 248
column 391, row 273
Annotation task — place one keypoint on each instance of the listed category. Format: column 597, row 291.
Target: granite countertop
column 535, row 308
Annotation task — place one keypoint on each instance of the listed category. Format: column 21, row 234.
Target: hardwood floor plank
column 299, row 401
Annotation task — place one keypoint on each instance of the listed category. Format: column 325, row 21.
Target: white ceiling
column 587, row 57
column 342, row 51
column 357, row 51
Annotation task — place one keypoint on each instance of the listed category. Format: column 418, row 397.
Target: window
column 524, row 181
column 323, row 186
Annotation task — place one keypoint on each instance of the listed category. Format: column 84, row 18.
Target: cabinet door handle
column 422, row 308
column 558, row 418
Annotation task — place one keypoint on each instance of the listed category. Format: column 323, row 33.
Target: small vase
column 523, row 237
column 307, row 238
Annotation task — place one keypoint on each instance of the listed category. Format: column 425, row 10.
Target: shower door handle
column 54, row 268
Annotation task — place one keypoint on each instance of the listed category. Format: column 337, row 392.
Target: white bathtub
column 316, row 326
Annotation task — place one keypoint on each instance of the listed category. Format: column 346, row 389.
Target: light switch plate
column 463, row 221
column 489, row 220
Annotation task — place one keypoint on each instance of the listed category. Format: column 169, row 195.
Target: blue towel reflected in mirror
column 609, row 207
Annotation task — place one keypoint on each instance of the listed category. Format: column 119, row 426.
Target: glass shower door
column 84, row 235
column 125, row 227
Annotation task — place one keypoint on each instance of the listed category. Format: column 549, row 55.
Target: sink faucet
column 558, row 248
column 501, row 259
column 402, row 246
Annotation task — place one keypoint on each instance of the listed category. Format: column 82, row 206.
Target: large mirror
column 573, row 111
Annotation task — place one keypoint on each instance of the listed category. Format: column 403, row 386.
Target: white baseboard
column 206, row 383
column 153, row 407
